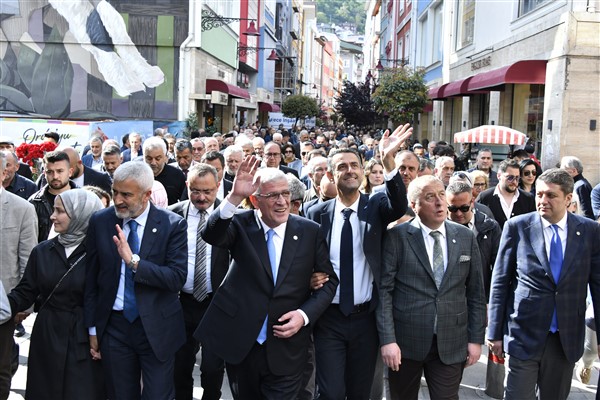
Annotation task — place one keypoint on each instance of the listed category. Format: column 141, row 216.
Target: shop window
column 528, row 109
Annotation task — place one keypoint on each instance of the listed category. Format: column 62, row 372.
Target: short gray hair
column 425, row 163
column 2, row 160
column 111, row 150
column 200, row 170
column 297, row 188
column 234, row 149
column 268, row 175
column 458, row 188
column 153, row 143
column 416, row 186
column 137, row 171
column 11, row 153
column 572, row 162
column 439, row 163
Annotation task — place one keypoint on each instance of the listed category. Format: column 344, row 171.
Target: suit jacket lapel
column 418, row 246
column 453, row 248
column 536, row 235
column 363, row 213
column 150, row 232
column 573, row 243
column 257, row 238
column 327, row 219
column 288, row 252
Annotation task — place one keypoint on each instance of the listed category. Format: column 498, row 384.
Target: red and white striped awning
column 492, row 134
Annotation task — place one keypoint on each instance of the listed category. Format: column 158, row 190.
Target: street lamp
column 211, row 20
column 244, row 50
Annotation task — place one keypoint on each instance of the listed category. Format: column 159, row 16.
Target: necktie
column 556, row 260
column 346, row 266
column 130, row 310
column 200, row 290
column 262, row 336
column 438, row 259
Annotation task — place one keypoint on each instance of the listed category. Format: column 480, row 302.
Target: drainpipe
column 185, row 60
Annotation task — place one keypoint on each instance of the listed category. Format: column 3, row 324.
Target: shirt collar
column 279, row 230
column 426, row 230
column 140, row 219
column 194, row 211
column 562, row 224
column 497, row 192
column 339, row 206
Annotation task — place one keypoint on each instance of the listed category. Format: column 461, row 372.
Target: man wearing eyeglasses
column 260, row 319
column 272, row 157
column 506, row 200
column 207, row 267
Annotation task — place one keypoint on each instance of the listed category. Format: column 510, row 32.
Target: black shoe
column 19, row 330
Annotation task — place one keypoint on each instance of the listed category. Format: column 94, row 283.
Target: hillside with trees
column 342, row 13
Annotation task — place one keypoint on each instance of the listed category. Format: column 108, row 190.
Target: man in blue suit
column 538, row 296
column 137, row 264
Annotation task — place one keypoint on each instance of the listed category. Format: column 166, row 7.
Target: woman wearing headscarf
column 60, row 365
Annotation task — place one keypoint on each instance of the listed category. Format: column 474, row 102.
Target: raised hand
column 244, row 183
column 390, row 143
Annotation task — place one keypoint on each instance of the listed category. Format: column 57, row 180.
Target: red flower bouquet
column 29, row 153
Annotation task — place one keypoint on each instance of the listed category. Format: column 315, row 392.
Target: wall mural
column 84, row 59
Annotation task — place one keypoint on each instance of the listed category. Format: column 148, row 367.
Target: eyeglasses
column 272, row 155
column 527, row 173
column 479, row 185
column 462, row 175
column 275, row 195
column 289, row 151
column 198, row 192
column 304, row 153
column 512, row 178
column 464, row 208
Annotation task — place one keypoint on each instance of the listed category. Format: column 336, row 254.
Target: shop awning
column 268, row 107
column 492, row 134
column 232, row 90
column 437, row 93
column 528, row 72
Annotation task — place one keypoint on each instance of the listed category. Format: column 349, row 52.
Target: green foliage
column 340, row 12
column 401, row 94
column 299, row 106
column 355, row 104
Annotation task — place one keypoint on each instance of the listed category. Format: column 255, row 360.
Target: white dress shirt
column 193, row 219
column 430, row 242
column 549, row 232
column 506, row 208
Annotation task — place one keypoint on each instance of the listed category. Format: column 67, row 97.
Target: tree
column 355, row 104
column 401, row 94
column 299, row 106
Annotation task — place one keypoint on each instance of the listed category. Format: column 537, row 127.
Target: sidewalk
column 472, row 386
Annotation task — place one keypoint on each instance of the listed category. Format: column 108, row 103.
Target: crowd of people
column 305, row 264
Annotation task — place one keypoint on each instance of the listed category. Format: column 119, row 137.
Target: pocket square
column 464, row 258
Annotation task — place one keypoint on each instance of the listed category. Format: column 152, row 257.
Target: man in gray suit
column 431, row 315
column 18, row 222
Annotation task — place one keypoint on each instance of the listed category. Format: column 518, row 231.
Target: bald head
column 74, row 161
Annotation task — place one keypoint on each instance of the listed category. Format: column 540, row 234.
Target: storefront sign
column 217, row 97
column 484, row 62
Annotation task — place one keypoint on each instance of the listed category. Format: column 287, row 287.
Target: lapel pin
column 295, row 237
column 153, row 230
column 453, row 240
column 485, row 236
column 578, row 233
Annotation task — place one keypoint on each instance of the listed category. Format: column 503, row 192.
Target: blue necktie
column 130, row 310
column 262, row 336
column 556, row 260
column 346, row 266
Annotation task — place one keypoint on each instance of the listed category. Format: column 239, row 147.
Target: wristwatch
column 135, row 259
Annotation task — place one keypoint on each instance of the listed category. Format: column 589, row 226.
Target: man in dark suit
column 207, row 266
column 135, row 147
column 137, row 264
column 13, row 182
column 93, row 159
column 346, row 341
column 272, row 157
column 261, row 317
column 432, row 311
column 539, row 285
column 173, row 179
column 506, row 200
column 217, row 160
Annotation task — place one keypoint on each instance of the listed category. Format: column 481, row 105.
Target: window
column 526, row 6
column 406, row 55
column 438, row 19
column 465, row 23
